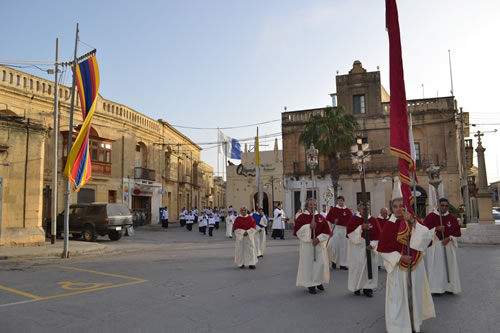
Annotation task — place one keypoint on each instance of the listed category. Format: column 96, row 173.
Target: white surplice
column 245, row 253
column 397, row 314
column 357, row 277
column 260, row 237
column 312, row 273
column 436, row 269
column 229, row 225
column 337, row 246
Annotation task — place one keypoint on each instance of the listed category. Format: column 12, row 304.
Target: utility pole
column 65, row 253
column 465, row 185
column 54, row 169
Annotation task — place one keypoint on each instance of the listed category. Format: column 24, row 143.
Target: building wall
column 169, row 159
column 434, row 126
column 241, row 182
column 22, row 149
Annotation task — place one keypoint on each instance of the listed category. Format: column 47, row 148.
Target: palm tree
column 331, row 132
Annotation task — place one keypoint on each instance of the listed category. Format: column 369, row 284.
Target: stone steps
column 476, row 233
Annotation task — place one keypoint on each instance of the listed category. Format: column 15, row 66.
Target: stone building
column 21, row 179
column 242, row 186
column 436, row 134
column 142, row 162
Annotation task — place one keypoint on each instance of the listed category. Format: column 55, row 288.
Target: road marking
column 96, row 289
column 100, row 273
column 22, row 302
column 19, row 292
column 81, row 285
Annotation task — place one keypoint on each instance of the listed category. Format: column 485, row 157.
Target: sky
column 227, row 63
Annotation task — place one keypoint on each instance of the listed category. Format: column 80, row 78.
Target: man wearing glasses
column 435, row 258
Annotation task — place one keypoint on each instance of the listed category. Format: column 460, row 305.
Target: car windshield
column 117, row 210
column 496, row 216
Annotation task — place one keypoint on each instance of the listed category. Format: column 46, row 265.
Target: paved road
column 178, row 281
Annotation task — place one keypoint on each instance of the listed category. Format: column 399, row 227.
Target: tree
column 331, row 132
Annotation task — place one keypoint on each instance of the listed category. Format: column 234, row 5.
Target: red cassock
column 244, row 223
column 356, row 221
column 322, row 226
column 342, row 215
column 451, row 226
column 382, row 221
column 394, row 237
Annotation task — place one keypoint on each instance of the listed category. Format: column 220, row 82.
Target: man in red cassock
column 382, row 218
column 358, row 269
column 435, row 257
column 244, row 228
column 393, row 248
column 338, row 217
column 313, row 232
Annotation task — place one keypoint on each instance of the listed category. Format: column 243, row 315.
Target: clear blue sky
column 224, row 63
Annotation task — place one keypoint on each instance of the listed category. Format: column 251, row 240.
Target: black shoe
column 368, row 292
column 242, row 266
column 261, row 256
column 274, row 238
column 320, row 287
column 251, row 266
column 343, row 268
column 312, row 290
column 357, row 293
column 334, row 265
column 282, row 237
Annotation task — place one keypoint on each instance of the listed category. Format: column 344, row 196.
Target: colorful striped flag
column 78, row 169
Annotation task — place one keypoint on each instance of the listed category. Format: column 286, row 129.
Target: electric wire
column 228, row 127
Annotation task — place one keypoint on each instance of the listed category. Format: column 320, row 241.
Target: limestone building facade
column 241, row 181
column 436, row 134
column 137, row 160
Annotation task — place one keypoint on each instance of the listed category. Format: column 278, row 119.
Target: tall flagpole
column 54, row 168
column 218, row 150
column 257, row 170
column 65, row 253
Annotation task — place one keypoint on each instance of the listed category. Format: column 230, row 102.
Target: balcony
column 143, row 173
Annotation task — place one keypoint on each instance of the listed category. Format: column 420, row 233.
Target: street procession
column 283, row 166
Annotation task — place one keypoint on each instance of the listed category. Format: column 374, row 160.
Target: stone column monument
column 484, row 194
column 486, row 231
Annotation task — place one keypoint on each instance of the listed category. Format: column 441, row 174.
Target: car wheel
column 76, row 236
column 89, row 234
column 115, row 235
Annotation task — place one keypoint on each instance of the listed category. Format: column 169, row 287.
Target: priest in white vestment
column 244, row 228
column 435, row 256
column 313, row 232
column 357, row 277
column 392, row 247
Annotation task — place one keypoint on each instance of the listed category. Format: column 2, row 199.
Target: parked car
column 496, row 217
column 90, row 220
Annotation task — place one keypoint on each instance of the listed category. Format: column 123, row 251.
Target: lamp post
column 312, row 163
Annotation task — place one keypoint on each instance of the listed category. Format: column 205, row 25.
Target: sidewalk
column 49, row 250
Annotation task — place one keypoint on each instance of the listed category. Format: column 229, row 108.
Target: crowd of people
column 359, row 243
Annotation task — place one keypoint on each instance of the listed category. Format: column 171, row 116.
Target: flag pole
column 54, row 168
column 65, row 253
